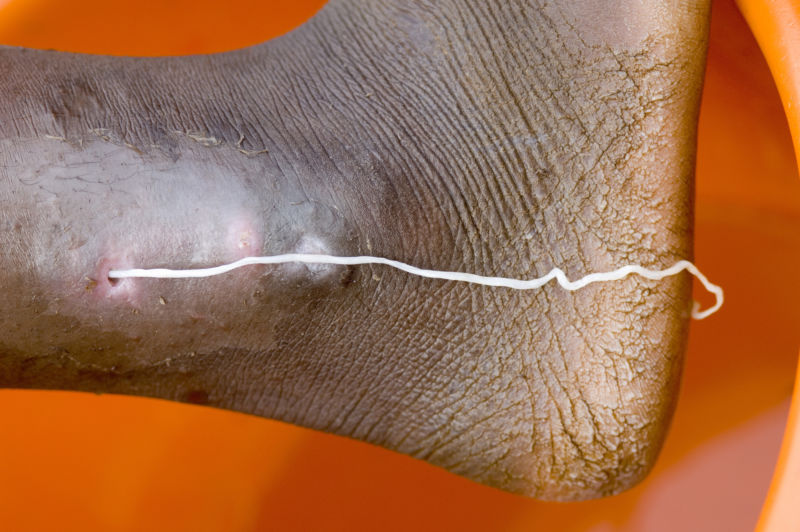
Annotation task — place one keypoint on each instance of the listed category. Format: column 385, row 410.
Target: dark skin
column 499, row 138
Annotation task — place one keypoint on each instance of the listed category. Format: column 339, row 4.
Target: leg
column 503, row 139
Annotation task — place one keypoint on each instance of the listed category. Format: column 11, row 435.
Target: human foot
column 494, row 138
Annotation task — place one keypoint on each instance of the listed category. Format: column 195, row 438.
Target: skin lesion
column 494, row 138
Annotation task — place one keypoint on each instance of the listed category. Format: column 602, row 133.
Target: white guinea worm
column 517, row 284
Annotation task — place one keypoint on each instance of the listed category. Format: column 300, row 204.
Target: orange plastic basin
column 88, row 463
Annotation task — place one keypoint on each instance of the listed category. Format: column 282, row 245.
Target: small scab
column 91, row 284
column 197, row 397
column 348, row 276
column 243, row 239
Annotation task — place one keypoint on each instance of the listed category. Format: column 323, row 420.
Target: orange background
column 79, row 462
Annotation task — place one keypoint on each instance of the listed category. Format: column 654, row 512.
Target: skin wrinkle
column 461, row 210
column 423, row 211
column 422, row 348
column 495, row 393
column 504, row 167
column 353, row 370
column 415, row 378
column 468, row 386
column 360, row 375
column 484, row 120
column 444, row 386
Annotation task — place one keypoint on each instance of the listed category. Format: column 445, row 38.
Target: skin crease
column 500, row 138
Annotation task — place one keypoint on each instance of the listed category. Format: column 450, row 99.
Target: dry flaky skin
column 500, row 138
